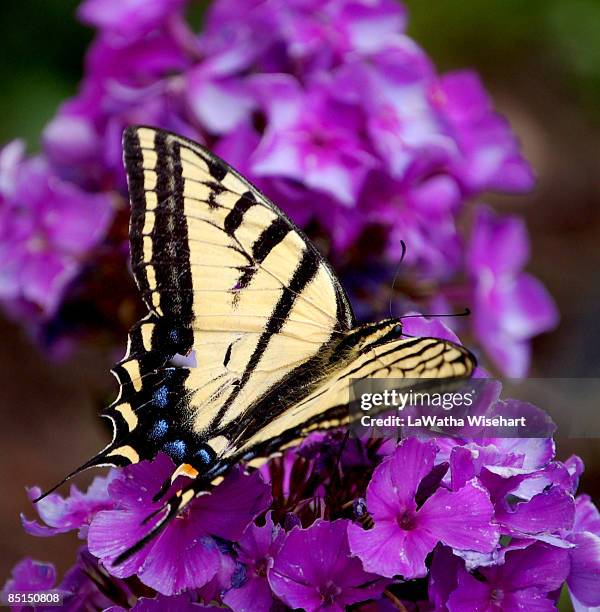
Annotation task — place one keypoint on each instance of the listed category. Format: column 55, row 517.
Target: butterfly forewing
column 226, row 275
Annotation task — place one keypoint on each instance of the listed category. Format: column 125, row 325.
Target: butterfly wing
column 380, row 353
column 238, row 299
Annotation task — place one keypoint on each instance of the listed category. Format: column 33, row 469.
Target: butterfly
column 250, row 342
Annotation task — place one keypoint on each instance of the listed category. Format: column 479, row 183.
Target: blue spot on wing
column 160, row 397
column 204, row 455
column 175, row 449
column 160, row 429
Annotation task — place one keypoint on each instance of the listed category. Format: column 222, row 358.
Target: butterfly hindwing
column 380, row 354
column 372, row 351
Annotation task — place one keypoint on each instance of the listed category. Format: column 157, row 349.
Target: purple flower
column 47, row 227
column 545, row 513
column 87, row 586
column 255, row 550
column 124, row 20
column 29, row 575
column 532, row 495
column 220, row 103
column 526, row 460
column 587, row 517
column 423, row 326
column 346, row 27
column 314, row 570
column 11, row 158
column 575, row 468
column 443, row 573
column 161, row 603
column 71, row 141
column 73, row 512
column 525, row 581
column 509, row 306
column 503, row 463
column 532, row 453
column 83, row 586
column 404, row 534
column 186, row 554
column 415, row 215
column 221, row 581
column 283, row 36
column 584, row 577
column 489, row 153
column 312, row 139
column 119, row 73
column 392, row 87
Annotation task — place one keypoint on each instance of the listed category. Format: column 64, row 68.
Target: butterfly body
column 250, row 342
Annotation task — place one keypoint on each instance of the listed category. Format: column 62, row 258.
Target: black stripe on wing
column 264, row 244
column 304, row 273
column 236, row 215
column 219, row 170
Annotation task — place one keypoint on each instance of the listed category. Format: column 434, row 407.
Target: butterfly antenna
column 466, row 312
column 397, row 273
column 98, row 460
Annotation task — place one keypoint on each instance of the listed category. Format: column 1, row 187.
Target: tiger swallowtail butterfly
column 249, row 342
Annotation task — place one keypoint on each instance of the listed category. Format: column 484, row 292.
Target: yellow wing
column 231, row 284
column 370, row 351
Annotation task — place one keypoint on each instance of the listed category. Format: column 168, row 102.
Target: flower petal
column 328, row 577
column 584, row 578
column 460, row 519
column 73, row 512
column 395, row 481
column 547, row 512
column 390, row 551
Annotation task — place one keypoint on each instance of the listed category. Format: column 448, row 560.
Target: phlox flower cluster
column 331, row 109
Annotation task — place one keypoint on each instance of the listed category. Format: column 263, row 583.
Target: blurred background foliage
column 558, row 38
column 541, row 61
column 43, row 47
column 40, row 64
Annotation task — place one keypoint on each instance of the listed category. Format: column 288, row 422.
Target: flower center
column 37, row 243
column 319, row 139
column 406, row 521
column 261, row 566
column 329, row 592
column 497, row 595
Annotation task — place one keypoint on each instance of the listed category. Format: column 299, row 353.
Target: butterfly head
column 392, row 330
